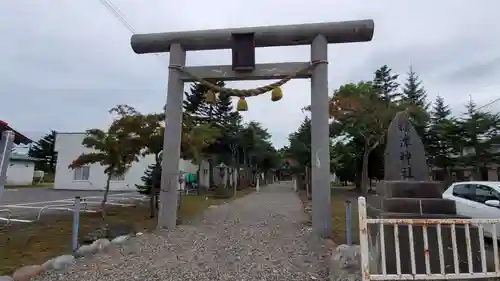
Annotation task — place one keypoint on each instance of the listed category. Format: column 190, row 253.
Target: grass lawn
column 343, row 187
column 34, row 243
column 339, row 197
column 43, row 184
column 339, row 217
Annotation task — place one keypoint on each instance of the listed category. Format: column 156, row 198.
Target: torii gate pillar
column 318, row 35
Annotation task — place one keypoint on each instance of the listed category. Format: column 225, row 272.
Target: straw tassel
column 276, row 94
column 242, row 104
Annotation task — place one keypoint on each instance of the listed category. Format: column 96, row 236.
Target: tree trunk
column 306, row 181
column 364, row 171
column 210, row 172
column 235, row 181
column 152, row 203
column 357, row 180
column 237, row 155
column 104, row 200
column 245, row 169
column 153, row 192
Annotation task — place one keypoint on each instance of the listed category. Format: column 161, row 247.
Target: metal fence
column 88, row 204
column 374, row 258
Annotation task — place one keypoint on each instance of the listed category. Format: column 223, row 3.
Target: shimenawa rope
column 248, row 92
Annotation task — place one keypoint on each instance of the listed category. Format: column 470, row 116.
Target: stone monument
column 407, row 193
column 404, row 154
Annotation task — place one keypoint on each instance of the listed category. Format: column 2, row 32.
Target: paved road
column 25, row 203
column 31, row 195
column 261, row 236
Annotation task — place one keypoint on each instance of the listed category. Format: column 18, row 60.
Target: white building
column 20, row 170
column 69, row 146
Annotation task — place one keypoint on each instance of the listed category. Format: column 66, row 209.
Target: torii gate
column 243, row 42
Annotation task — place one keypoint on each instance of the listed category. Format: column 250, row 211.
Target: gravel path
column 258, row 237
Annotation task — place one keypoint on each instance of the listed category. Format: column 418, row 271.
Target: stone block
column 345, row 263
column 410, row 189
column 62, row 262
column 27, row 272
column 419, row 206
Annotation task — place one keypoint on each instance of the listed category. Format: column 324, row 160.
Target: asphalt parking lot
column 25, row 205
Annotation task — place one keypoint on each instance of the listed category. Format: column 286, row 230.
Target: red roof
column 19, row 138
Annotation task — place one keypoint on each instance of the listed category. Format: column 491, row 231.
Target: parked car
column 477, row 200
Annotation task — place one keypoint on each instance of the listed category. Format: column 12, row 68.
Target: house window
column 117, row 177
column 81, row 173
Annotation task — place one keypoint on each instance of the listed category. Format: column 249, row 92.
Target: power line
column 118, row 14
column 115, row 11
column 489, row 103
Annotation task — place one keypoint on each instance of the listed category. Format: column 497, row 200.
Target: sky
column 65, row 63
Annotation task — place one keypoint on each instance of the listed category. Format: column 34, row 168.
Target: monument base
column 421, row 200
column 410, row 189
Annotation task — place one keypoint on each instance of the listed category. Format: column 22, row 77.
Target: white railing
column 380, row 260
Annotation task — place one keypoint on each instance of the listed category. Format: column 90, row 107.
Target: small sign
column 243, row 49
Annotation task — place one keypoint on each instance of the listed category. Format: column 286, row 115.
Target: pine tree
column 44, row 149
column 479, row 131
column 440, row 111
column 194, row 103
column 386, row 83
column 414, row 98
column 151, row 177
column 443, row 138
column 300, row 143
column 223, row 112
column 221, row 115
column 413, row 91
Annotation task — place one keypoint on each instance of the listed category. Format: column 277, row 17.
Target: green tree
column 257, row 152
column 386, row 85
column 150, row 130
column 195, row 105
column 151, row 177
column 300, row 144
column 343, row 159
column 299, row 149
column 44, row 149
column 115, row 149
column 196, row 138
column 221, row 116
column 414, row 98
column 444, row 138
column 361, row 113
column 413, row 92
column 479, row 131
